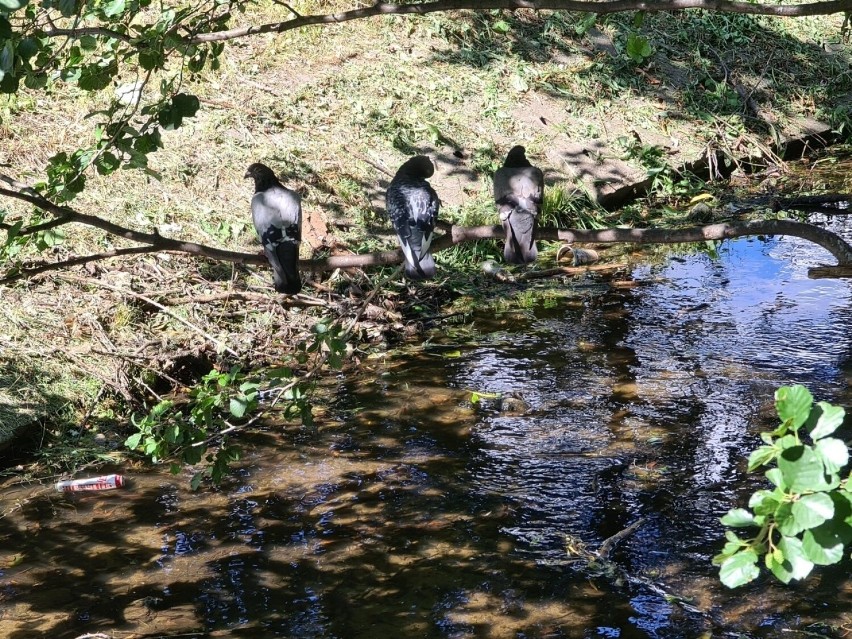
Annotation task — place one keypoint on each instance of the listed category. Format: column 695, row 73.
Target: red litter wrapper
column 104, row 482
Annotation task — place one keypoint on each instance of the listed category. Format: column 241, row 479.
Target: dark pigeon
column 412, row 206
column 518, row 190
column 277, row 215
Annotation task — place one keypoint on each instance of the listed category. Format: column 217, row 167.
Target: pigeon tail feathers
column 520, row 245
column 422, row 269
column 284, row 259
column 419, row 263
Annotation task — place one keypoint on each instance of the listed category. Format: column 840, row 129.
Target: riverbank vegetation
column 149, row 130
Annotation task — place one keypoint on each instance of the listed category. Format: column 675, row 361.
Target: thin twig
column 85, row 280
column 30, row 271
column 376, row 165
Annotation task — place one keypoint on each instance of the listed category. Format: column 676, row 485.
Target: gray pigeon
column 518, row 189
column 277, row 215
column 412, row 206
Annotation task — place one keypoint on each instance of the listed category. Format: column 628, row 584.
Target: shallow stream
column 416, row 513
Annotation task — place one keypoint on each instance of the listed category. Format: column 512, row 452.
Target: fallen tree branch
column 832, row 242
column 584, row 6
column 828, row 204
column 826, row 7
column 154, row 242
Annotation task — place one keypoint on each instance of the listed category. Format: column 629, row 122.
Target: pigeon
column 277, row 215
column 518, row 189
column 412, row 206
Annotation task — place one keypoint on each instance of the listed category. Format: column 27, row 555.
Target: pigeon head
column 517, row 158
column 419, row 166
column 263, row 176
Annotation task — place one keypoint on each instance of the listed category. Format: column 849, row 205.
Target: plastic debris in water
column 584, row 256
column 579, row 256
column 104, row 482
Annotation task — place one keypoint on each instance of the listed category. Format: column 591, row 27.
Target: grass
column 312, row 103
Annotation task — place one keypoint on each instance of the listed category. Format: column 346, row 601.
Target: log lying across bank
column 155, row 243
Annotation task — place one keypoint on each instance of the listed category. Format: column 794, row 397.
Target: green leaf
column 764, row 502
column 94, row 77
column 793, row 404
column 501, row 26
column 132, row 442
column 833, row 453
column 193, row 454
column 823, row 545
column 238, row 406
column 787, row 524
column 150, row 59
column 113, row 8
column 13, row 231
column 7, row 6
column 53, row 237
column 161, row 408
column 185, row 104
column 739, row 569
column 738, row 518
column 106, row 163
column 5, row 27
column 88, row 42
column 196, row 480
column 776, row 477
column 7, row 57
column 582, row 26
column 787, row 441
column 843, row 514
column 180, row 106
column 812, row 510
column 638, row 47
column 28, row 47
column 761, row 456
column 68, row 8
column 802, row 470
column 148, row 142
column 9, row 83
column 35, row 80
column 829, row 419
column 795, row 564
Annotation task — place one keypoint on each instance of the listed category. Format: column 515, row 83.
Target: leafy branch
column 806, row 519
column 202, row 428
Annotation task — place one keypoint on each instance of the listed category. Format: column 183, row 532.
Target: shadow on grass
column 28, row 397
column 698, row 59
column 730, row 86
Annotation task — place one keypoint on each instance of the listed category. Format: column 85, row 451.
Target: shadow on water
column 415, row 513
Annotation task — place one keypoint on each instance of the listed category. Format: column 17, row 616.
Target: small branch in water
column 608, row 544
column 828, row 204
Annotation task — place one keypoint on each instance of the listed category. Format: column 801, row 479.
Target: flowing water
column 414, row 512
